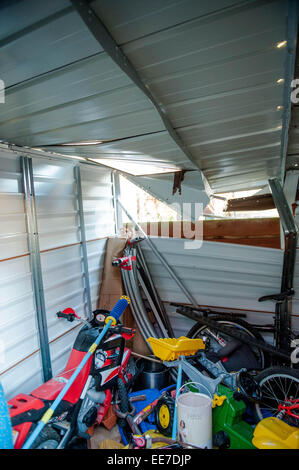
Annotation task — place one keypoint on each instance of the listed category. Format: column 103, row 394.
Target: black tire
column 47, row 439
column 124, row 404
column 198, row 329
column 221, row 440
column 165, row 408
column 276, row 383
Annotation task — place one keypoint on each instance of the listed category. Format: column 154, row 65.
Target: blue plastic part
column 6, row 441
column 119, row 308
column 178, row 387
column 149, row 422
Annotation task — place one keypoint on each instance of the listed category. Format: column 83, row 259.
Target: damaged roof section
column 216, row 69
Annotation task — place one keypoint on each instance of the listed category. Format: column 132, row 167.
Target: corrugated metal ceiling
column 213, row 66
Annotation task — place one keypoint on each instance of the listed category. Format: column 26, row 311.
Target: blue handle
column 116, row 312
column 175, row 419
column 119, row 307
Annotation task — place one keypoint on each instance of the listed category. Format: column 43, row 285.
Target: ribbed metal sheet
column 224, row 276
column 59, row 239
column 213, row 66
column 18, row 328
column 216, row 76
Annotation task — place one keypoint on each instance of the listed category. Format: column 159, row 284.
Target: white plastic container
column 194, row 414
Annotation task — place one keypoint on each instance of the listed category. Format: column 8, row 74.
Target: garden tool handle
column 118, row 309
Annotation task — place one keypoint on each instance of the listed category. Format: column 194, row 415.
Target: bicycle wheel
column 200, row 331
column 278, row 385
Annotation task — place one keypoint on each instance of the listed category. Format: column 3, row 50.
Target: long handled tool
column 115, row 314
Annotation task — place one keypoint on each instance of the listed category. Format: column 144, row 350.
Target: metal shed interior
column 176, row 84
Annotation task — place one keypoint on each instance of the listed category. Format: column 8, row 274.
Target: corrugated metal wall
column 20, row 361
column 61, row 260
column 225, row 276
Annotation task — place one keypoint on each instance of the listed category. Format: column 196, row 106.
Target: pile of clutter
column 176, row 396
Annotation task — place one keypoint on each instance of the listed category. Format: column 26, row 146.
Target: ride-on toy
column 102, row 380
column 229, row 429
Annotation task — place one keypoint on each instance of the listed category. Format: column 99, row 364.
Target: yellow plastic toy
column 169, row 349
column 218, row 400
column 272, row 433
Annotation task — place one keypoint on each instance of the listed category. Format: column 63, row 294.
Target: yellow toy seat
column 169, row 349
column 272, row 433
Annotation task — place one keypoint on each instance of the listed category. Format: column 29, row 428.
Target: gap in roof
column 134, row 168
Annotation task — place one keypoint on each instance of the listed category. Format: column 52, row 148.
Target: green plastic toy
column 229, row 428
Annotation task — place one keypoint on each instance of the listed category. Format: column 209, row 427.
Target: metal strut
column 36, row 270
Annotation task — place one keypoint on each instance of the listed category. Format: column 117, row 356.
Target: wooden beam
column 255, row 232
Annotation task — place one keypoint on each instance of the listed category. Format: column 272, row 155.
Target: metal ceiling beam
column 101, row 33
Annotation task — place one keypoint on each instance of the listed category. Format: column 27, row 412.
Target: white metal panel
column 63, row 286
column 97, row 201
column 61, row 261
column 60, row 349
column 62, row 267
column 61, row 256
column 59, row 237
column 23, row 378
column 61, row 333
column 96, row 250
column 55, row 203
column 99, row 220
column 18, row 329
column 219, row 275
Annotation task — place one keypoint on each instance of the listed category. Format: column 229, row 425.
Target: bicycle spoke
column 281, row 388
column 287, row 394
column 272, row 391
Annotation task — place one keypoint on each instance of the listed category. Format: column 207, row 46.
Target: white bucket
column 194, row 411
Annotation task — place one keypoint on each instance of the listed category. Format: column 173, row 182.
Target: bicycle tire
column 238, row 323
column 276, row 378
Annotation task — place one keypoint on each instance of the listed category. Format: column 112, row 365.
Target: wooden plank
column 256, row 232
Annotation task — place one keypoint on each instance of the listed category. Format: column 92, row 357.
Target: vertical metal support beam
column 291, row 37
column 35, row 261
column 284, row 308
column 116, row 195
column 290, row 233
column 77, row 175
